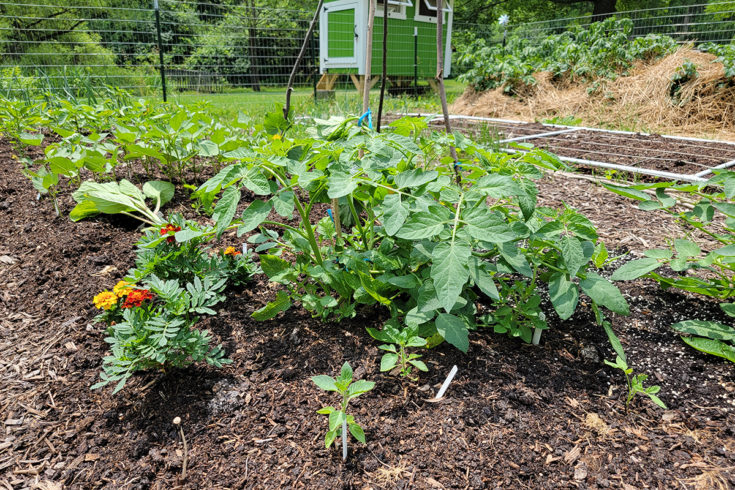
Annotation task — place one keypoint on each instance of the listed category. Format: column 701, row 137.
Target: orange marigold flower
column 105, row 300
column 232, row 251
column 136, row 298
column 122, row 288
column 167, row 229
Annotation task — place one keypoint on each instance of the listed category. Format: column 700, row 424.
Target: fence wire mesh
column 699, row 23
column 78, row 46
column 206, row 47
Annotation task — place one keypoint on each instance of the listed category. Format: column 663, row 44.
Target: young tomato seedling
column 339, row 420
column 635, row 383
column 406, row 337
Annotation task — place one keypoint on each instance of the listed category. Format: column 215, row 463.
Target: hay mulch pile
column 640, row 101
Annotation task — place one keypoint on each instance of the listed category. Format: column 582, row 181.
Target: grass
column 345, row 101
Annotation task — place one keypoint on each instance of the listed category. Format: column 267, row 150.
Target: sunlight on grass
column 345, row 101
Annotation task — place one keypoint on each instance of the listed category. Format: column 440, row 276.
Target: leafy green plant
column 603, row 50
column 339, row 420
column 121, row 198
column 634, row 383
column 152, row 314
column 710, row 337
column 419, row 237
column 683, row 74
column 686, row 258
column 397, row 341
column 155, row 329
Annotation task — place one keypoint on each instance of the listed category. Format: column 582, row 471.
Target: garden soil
column 639, row 101
column 516, row 416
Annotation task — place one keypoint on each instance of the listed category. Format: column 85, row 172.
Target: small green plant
column 569, row 120
column 339, row 419
column 683, row 74
column 710, row 337
column 634, row 383
column 397, row 341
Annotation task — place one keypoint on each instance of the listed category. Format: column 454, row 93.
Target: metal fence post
column 160, row 49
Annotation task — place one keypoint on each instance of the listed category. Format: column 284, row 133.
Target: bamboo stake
column 440, row 79
column 289, row 88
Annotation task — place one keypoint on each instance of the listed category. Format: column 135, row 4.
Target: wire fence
column 202, row 47
column 704, row 22
column 78, row 46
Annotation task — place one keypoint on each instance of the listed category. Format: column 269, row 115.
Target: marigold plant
column 232, row 251
column 136, row 297
column 105, row 300
column 168, row 229
column 123, row 288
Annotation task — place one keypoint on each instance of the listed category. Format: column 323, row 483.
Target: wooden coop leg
column 327, row 81
column 360, row 81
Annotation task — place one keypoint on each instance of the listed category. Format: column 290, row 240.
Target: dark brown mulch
column 652, row 152
column 516, row 416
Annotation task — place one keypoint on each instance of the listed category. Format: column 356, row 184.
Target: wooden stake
column 440, row 79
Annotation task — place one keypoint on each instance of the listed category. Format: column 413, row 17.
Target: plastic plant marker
column 446, row 383
column 536, row 336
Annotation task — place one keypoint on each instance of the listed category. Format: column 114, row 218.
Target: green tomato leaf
column 449, row 271
column 253, row 216
column 225, row 209
column 421, row 225
column 602, row 292
column 482, row 278
column 711, row 346
column 454, row 331
column 395, row 213
column 388, row 362
column 686, row 248
column 635, row 269
column 708, row 329
column 414, row 178
column 269, row 311
column 564, row 295
column 571, row 252
column 329, row 438
column 359, row 387
column 357, row 433
column 325, row 382
column 340, row 184
column 159, row 190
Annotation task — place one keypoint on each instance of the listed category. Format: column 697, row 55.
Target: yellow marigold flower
column 232, row 251
column 277, row 137
column 123, row 288
column 105, row 300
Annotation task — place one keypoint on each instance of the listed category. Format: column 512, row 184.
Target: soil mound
column 646, row 99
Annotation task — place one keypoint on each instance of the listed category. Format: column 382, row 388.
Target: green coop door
column 339, row 42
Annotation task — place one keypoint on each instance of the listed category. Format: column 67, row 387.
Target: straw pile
column 640, row 101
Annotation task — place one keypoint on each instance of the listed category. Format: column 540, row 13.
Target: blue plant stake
column 331, row 216
column 369, row 116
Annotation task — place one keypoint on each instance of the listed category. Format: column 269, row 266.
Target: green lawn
column 345, row 101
